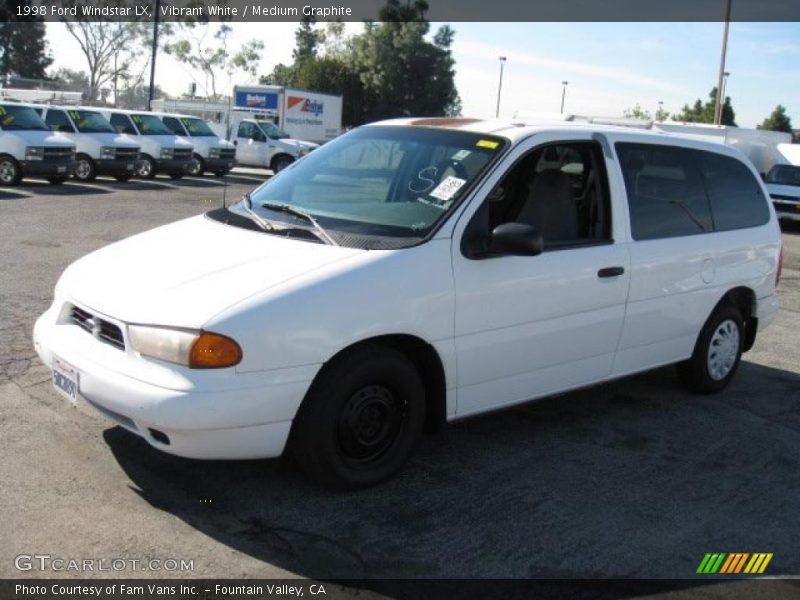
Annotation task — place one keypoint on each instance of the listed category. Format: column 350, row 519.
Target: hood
column 792, row 191
column 167, row 141
column 183, row 274
column 299, row 143
column 114, row 139
column 39, row 138
column 213, row 141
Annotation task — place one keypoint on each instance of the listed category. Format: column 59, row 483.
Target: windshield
column 381, row 187
column 784, row 175
column 150, row 125
column 20, row 118
column 197, row 127
column 273, row 131
column 89, row 121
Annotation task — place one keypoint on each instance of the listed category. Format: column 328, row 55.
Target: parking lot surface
column 633, row 478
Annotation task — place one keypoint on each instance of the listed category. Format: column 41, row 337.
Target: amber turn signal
column 214, row 351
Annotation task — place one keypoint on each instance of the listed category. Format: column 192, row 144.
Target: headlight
column 34, row 153
column 194, row 349
column 108, row 152
column 167, row 152
column 214, row 152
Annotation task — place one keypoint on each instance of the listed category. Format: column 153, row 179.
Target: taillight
column 780, row 267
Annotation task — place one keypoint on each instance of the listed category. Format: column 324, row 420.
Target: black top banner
column 431, row 10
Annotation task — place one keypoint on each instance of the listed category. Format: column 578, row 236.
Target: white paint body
column 507, row 330
column 260, row 153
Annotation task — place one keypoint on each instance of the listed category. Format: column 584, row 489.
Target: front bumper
column 172, row 166
column 111, row 166
column 220, row 164
column 222, row 415
column 47, row 168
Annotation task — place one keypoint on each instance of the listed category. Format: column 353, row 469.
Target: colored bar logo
column 734, row 563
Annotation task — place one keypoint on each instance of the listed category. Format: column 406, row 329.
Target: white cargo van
column 414, row 272
column 211, row 153
column 161, row 150
column 783, row 182
column 28, row 147
column 100, row 150
column 264, row 144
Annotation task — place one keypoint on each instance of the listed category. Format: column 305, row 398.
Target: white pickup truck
column 263, row 144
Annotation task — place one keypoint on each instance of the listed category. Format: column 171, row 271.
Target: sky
column 609, row 67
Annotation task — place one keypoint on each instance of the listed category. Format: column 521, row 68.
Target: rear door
column 528, row 326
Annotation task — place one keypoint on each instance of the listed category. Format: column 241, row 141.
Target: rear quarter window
column 735, row 194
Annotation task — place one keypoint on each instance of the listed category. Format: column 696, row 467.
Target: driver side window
column 561, row 189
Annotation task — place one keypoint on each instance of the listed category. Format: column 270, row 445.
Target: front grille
column 181, row 154
column 101, row 329
column 62, row 152
column 227, row 153
column 126, row 154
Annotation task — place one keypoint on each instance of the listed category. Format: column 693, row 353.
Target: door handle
column 611, row 272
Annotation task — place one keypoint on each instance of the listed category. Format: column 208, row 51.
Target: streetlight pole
column 563, row 94
column 151, row 91
column 718, row 103
column 502, row 60
column 722, row 96
column 660, row 110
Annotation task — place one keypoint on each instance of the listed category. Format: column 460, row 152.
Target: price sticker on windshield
column 448, row 188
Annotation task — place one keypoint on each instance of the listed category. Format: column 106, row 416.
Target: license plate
column 62, row 169
column 65, row 380
column 129, row 167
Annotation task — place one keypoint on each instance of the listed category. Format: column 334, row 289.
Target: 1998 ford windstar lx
column 413, row 272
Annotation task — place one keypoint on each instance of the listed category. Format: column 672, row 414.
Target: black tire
column 361, row 420
column 10, row 171
column 176, row 175
column 279, row 163
column 147, row 167
column 197, row 166
column 57, row 180
column 123, row 177
column 85, row 170
column 719, row 345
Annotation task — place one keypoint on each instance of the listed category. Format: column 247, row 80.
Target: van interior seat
column 550, row 207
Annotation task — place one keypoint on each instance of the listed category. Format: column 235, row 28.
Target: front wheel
column 717, row 352
column 196, row 166
column 280, row 163
column 361, row 419
column 84, row 169
column 10, row 173
column 147, row 168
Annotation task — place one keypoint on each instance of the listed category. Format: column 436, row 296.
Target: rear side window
column 174, row 125
column 736, row 197
column 58, row 121
column 122, row 124
column 666, row 195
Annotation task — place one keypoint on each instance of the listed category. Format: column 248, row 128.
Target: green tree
column 209, row 54
column 704, row 113
column 778, row 120
column 636, row 112
column 23, row 46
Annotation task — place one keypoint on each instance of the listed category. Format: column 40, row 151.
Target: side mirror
column 516, row 239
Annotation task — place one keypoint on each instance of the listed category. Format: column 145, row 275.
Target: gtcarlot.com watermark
column 47, row 562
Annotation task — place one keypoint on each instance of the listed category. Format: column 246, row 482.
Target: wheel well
column 744, row 299
column 427, row 361
column 273, row 160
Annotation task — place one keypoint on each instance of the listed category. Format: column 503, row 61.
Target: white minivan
column 28, row 147
column 264, row 144
column 161, row 150
column 211, row 152
column 100, row 150
column 414, row 272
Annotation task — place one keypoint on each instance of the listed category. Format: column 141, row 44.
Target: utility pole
column 502, row 60
column 151, row 91
column 564, row 85
column 719, row 99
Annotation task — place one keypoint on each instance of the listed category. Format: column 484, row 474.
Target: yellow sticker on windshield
column 487, row 144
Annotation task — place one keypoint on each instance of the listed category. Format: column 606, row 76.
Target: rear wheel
column 197, row 166
column 717, row 352
column 10, row 173
column 84, row 168
column 361, row 420
column 147, row 167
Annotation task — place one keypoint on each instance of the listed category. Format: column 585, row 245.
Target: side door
column 249, row 144
column 529, row 326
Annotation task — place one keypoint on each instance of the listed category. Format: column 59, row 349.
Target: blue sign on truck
column 267, row 100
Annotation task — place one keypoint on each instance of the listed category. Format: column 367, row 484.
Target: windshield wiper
column 248, row 207
column 299, row 212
